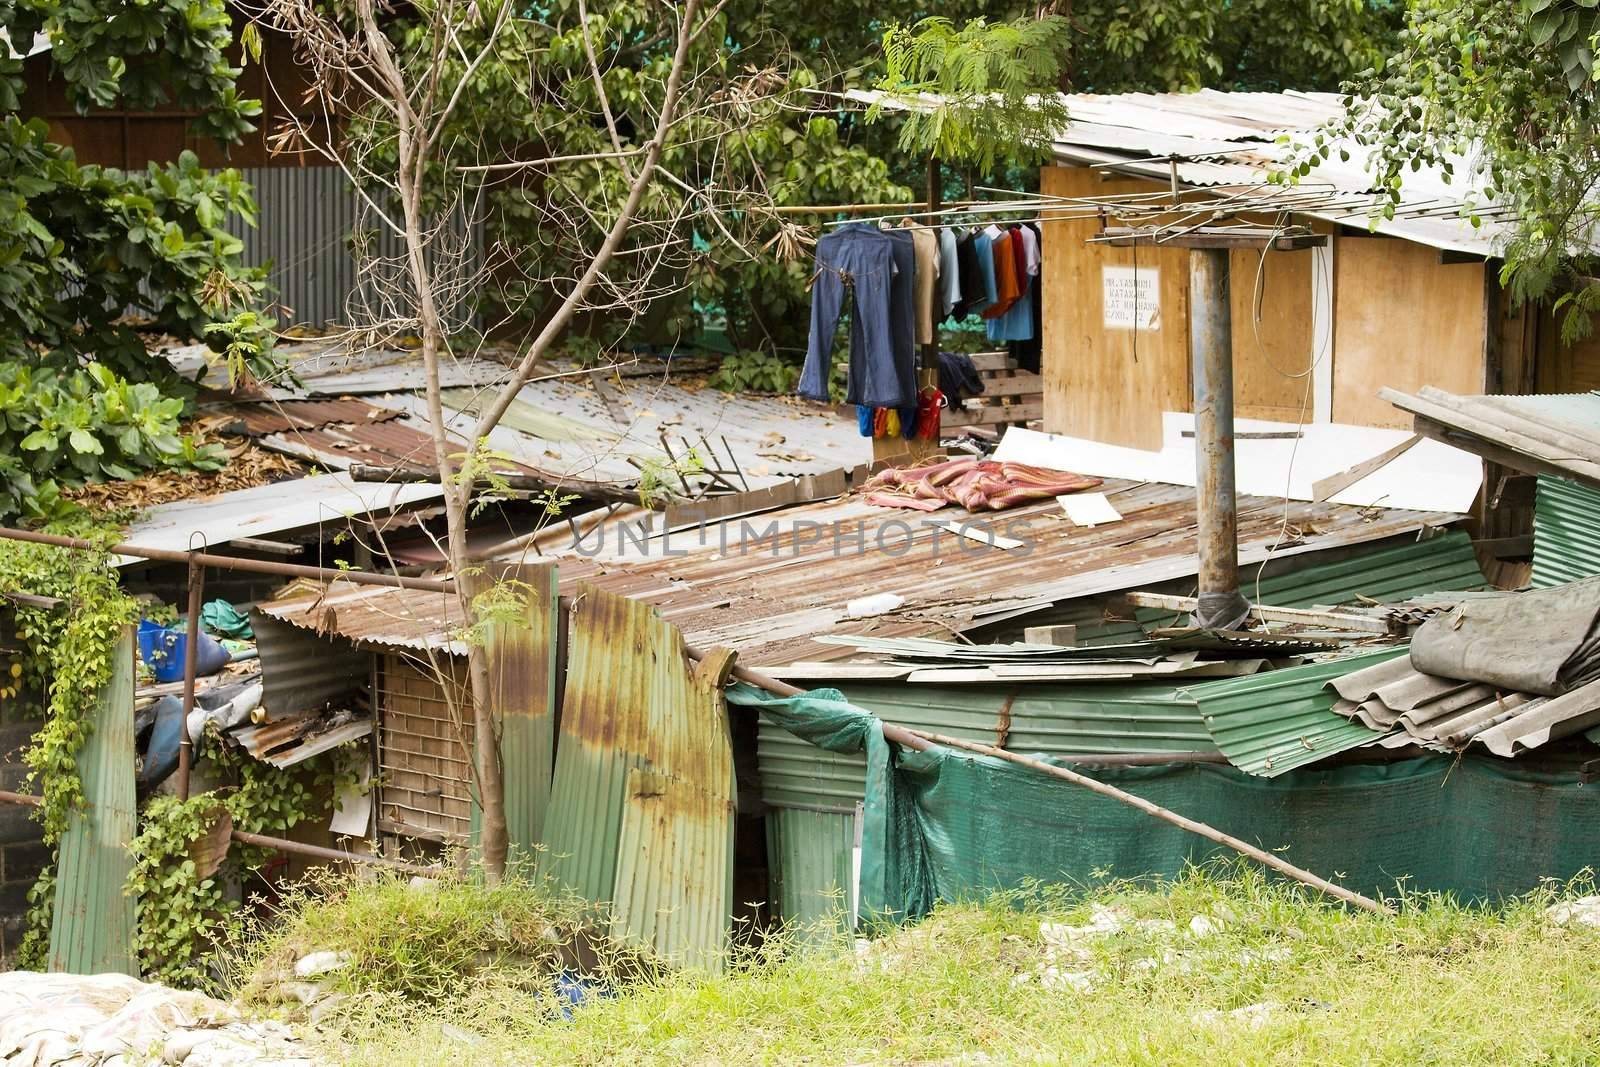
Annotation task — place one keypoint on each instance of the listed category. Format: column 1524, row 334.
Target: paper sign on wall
column 1132, row 298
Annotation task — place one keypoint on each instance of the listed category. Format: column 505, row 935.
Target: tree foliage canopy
column 1500, row 93
column 81, row 246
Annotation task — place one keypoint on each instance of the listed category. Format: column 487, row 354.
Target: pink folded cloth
column 977, row 485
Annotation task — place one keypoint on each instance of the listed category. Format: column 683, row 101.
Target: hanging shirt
column 859, row 264
column 974, row 295
column 949, row 273
column 925, row 245
column 983, row 253
column 1007, row 286
column 1017, row 323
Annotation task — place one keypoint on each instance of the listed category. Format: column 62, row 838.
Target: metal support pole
column 1216, row 505
column 191, row 655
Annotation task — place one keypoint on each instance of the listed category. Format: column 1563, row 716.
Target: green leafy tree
column 81, row 246
column 994, row 86
column 1500, row 95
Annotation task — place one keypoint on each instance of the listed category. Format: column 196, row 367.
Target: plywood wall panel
column 1271, row 309
column 1108, row 384
column 1402, row 319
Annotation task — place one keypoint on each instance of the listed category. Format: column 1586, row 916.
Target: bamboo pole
column 922, row 741
column 235, row 563
column 191, row 657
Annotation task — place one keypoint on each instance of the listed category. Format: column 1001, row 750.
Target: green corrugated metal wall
column 91, row 928
column 1566, row 532
column 811, row 855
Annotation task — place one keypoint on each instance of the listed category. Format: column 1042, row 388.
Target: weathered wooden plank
column 91, row 928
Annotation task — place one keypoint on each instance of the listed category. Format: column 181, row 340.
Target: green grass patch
column 1218, row 966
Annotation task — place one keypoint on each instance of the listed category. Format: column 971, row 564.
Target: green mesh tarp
column 945, row 825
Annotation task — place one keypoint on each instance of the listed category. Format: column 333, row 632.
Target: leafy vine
column 68, row 656
column 184, row 912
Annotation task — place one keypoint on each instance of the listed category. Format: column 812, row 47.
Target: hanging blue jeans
column 875, row 270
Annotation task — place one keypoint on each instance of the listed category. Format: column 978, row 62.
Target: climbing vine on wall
column 67, row 655
column 185, row 912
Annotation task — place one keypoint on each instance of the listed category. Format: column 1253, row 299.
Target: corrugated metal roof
column 1267, row 724
column 277, row 416
column 328, row 500
column 376, row 615
column 766, row 585
column 92, row 924
column 1138, row 133
column 641, row 806
column 570, row 422
column 1553, row 434
column 1566, row 532
column 1388, row 574
column 1450, row 713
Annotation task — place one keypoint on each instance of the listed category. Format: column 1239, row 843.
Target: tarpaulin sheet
column 945, row 825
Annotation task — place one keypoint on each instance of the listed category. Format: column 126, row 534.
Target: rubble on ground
column 111, row 1020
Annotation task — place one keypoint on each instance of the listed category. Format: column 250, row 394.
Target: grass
column 1002, row 981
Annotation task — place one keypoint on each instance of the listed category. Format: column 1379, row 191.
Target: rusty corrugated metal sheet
column 641, row 808
column 374, row 615
column 92, row 925
column 279, row 416
column 766, row 594
column 519, row 650
column 296, row 738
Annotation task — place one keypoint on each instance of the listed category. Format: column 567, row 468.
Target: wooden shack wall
column 1404, row 319
column 1107, row 384
column 1401, row 317
column 132, row 138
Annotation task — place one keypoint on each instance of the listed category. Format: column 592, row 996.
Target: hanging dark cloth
column 958, row 378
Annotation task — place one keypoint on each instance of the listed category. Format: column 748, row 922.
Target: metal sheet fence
column 308, row 217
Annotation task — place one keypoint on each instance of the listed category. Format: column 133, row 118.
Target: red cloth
column 977, row 485
column 930, row 402
column 1007, row 286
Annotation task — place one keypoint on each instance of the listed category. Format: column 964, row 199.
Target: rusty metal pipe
column 1216, row 502
column 191, row 656
column 234, row 563
column 26, row 799
column 318, row 852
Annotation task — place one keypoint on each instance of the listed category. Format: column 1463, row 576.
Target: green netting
column 945, row 825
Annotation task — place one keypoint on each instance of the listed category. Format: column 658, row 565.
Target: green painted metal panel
column 1051, row 719
column 641, row 807
column 796, row 773
column 1566, row 532
column 810, row 855
column 674, row 889
column 1388, row 572
column 1270, row 723
column 520, row 653
column 91, row 928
